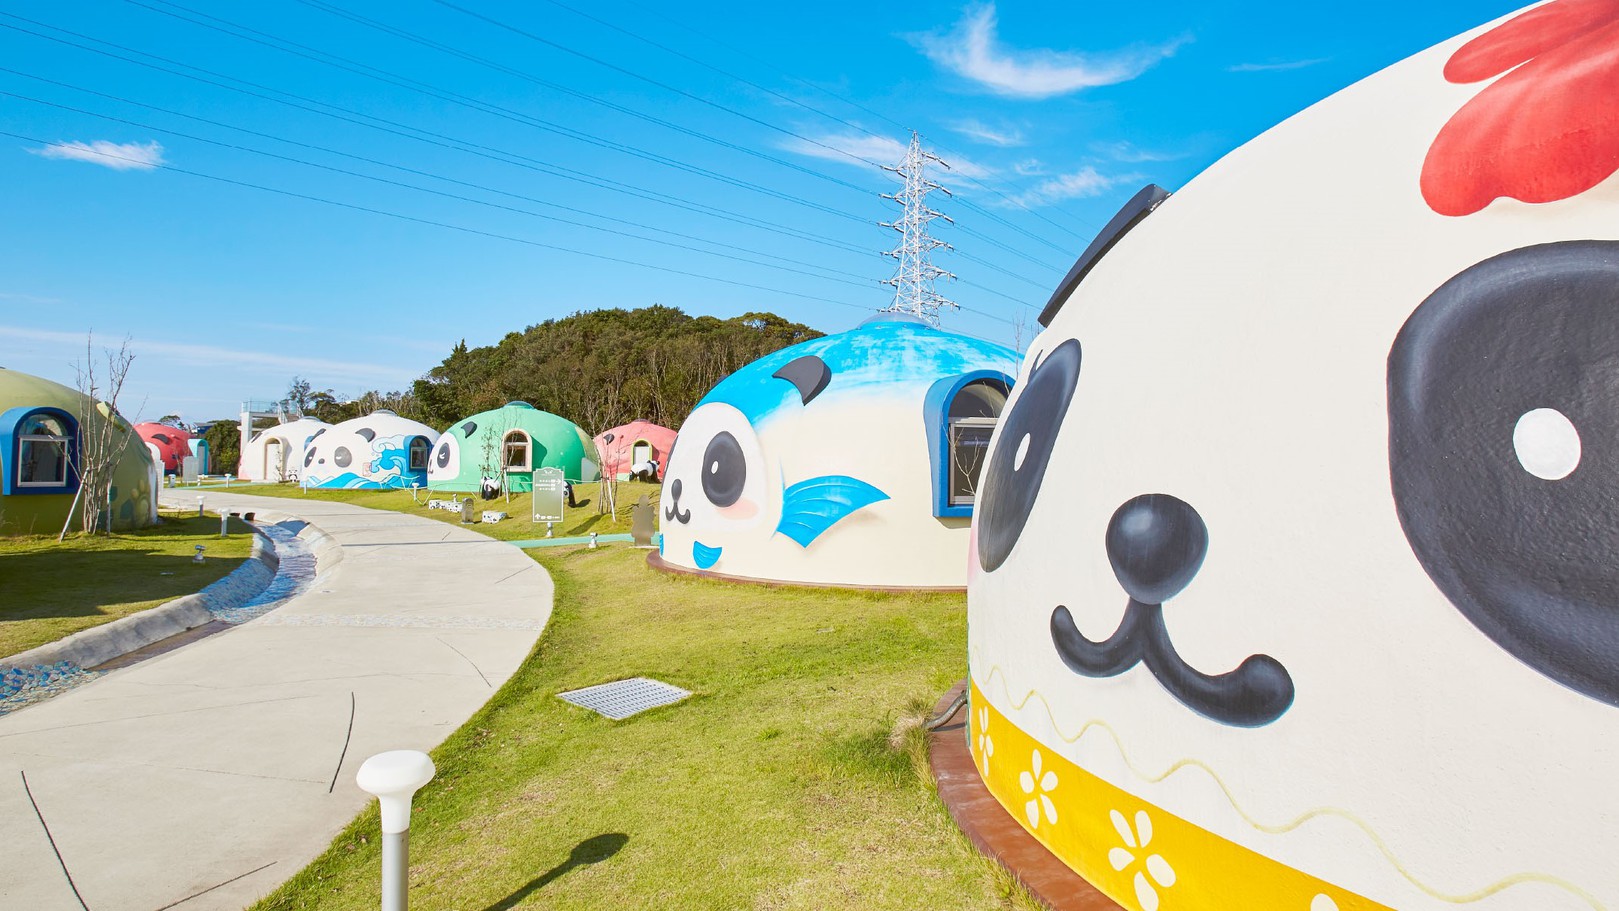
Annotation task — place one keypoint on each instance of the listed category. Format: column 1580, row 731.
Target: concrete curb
column 103, row 643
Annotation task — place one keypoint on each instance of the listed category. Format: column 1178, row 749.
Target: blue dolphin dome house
column 848, row 460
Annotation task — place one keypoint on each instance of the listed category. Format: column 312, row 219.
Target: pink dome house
column 632, row 443
column 171, row 444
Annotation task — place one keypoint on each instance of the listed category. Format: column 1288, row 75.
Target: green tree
column 600, row 368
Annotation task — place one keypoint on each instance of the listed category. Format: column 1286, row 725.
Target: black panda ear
column 607, row 438
column 469, row 428
column 809, row 373
column 366, row 434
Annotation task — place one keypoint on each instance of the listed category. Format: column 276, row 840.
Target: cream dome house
column 847, row 460
column 378, row 451
column 1294, row 581
column 276, row 454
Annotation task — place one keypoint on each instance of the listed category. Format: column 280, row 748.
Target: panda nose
column 1156, row 544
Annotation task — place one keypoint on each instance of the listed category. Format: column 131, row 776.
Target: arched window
column 39, row 448
column 962, row 412
column 973, row 414
column 418, row 453
column 517, row 451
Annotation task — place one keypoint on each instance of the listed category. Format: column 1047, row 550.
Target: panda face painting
column 445, row 463
column 813, row 464
column 1298, row 537
column 367, row 453
column 717, row 478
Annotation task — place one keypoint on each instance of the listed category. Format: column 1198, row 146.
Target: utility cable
column 1089, row 228
column 274, row 41
column 514, row 116
column 855, row 280
column 453, row 227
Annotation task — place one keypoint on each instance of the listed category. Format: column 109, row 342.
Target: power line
column 852, row 279
column 408, row 132
column 682, row 92
column 275, row 41
column 504, row 113
column 1091, row 228
column 453, row 227
column 860, row 279
column 353, row 66
column 647, row 79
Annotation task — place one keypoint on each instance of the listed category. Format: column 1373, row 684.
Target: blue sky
column 435, row 167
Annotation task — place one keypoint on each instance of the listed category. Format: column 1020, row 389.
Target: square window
column 42, row 462
column 969, row 447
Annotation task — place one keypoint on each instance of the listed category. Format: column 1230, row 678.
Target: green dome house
column 508, row 443
column 40, row 440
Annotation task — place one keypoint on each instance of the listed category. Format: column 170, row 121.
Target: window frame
column 506, row 445
column 941, row 432
column 12, row 440
column 418, row 444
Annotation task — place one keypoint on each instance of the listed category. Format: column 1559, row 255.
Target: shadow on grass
column 590, row 851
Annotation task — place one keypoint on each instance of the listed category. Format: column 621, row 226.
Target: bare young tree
column 103, row 433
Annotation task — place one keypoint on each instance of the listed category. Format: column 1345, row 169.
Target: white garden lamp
column 394, row 778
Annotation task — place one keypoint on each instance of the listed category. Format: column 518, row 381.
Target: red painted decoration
column 1549, row 128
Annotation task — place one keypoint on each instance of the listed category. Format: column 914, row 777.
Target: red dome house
column 172, row 444
column 633, row 443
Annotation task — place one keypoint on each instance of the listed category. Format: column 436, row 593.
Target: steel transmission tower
column 913, row 278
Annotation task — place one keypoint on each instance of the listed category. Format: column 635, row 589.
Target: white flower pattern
column 1038, row 788
column 986, row 746
column 1154, row 869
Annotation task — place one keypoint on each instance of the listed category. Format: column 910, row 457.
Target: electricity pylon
column 914, row 276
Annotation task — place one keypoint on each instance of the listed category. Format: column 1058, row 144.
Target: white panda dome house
column 378, row 451
column 1294, row 583
column 847, row 460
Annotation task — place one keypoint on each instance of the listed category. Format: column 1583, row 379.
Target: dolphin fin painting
column 812, row 506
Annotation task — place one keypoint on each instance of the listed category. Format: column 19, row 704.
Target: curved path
column 204, row 777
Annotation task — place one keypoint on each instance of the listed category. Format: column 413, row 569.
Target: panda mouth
column 1254, row 694
column 1156, row 544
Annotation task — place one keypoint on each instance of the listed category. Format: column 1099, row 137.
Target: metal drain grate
column 623, row 698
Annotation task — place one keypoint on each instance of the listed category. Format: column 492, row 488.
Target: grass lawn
column 793, row 778
column 578, row 521
column 53, row 590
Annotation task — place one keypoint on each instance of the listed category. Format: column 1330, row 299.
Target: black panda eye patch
column 1018, row 464
column 1503, row 404
column 443, row 456
column 724, row 470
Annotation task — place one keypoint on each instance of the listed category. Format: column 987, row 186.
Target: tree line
column 597, row 368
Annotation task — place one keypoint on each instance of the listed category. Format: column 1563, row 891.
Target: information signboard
column 548, row 494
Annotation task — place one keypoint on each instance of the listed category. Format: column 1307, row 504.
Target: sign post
column 548, row 495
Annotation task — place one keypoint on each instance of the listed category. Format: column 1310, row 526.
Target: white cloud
column 973, row 50
column 376, row 375
column 128, row 156
column 881, row 150
column 1005, row 137
column 1275, row 67
column 1126, row 151
column 1029, row 167
column 1083, row 183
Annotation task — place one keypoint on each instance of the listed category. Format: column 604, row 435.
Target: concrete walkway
column 204, row 777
